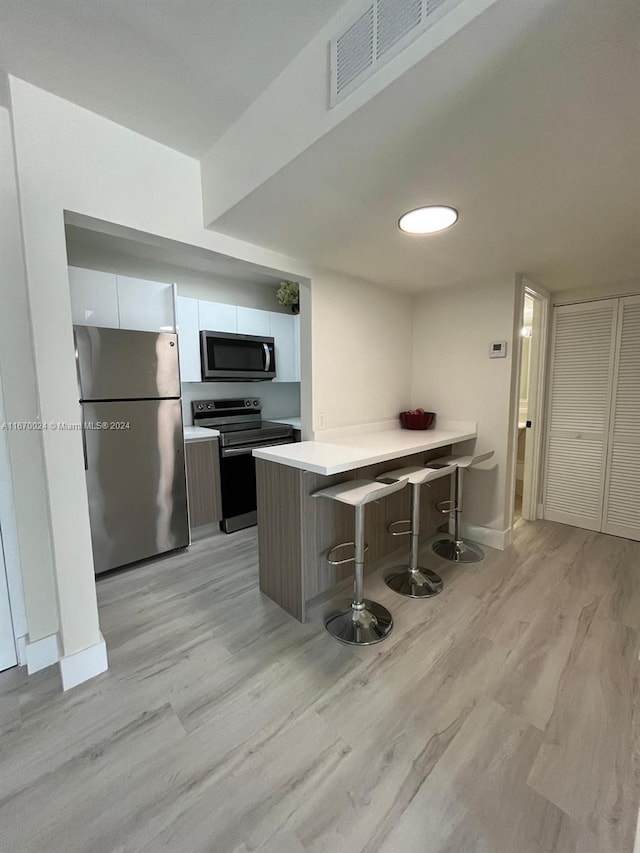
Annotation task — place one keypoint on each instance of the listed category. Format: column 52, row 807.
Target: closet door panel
column 622, row 492
column 583, row 347
column 573, row 490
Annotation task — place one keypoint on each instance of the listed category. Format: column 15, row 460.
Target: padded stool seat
column 413, row 580
column 457, row 549
column 365, row 621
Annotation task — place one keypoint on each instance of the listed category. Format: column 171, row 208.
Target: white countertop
column 295, row 422
column 194, row 433
column 355, row 450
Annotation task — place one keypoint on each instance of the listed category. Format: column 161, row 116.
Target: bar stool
column 457, row 549
column 414, row 580
column 364, row 622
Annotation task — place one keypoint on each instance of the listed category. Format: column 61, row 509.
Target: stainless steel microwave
column 227, row 357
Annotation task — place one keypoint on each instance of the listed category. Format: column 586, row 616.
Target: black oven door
column 227, row 357
column 238, row 485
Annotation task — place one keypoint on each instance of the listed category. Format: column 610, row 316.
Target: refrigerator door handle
column 84, row 447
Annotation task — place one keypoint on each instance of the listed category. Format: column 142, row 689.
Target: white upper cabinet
column 296, row 346
column 120, row 302
column 217, row 317
column 94, row 298
column 283, row 331
column 188, row 339
column 252, row 321
column 145, row 305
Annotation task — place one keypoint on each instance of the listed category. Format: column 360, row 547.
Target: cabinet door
column 252, row 321
column 283, row 332
column 188, row 339
column 146, row 306
column 217, row 316
column 579, row 412
column 622, row 492
column 203, row 482
column 296, row 347
column 94, row 298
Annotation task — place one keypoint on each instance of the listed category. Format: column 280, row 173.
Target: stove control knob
column 247, row 402
column 209, row 405
column 199, row 407
column 255, row 403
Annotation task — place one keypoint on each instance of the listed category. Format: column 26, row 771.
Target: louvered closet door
column 622, row 491
column 583, row 346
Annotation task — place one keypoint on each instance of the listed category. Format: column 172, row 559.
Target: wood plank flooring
column 500, row 717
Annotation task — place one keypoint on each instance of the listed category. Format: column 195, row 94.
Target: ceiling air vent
column 380, row 33
column 354, row 50
column 396, row 18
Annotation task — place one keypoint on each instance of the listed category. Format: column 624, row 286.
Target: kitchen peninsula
column 295, row 531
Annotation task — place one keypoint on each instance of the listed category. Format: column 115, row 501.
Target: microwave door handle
column 267, row 358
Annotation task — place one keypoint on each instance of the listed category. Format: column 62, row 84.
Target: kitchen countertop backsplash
column 277, row 398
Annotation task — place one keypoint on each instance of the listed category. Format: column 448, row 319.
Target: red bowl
column 417, row 420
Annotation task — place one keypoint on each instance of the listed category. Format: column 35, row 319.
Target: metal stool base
column 458, row 552
column 422, row 583
column 361, row 627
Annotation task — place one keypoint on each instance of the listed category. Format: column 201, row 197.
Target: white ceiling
column 528, row 121
column 537, row 144
column 178, row 71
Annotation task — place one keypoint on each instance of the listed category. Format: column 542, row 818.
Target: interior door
column 8, row 655
column 532, row 449
column 582, row 353
column 622, row 491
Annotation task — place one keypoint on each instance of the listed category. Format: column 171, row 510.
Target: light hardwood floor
column 500, row 717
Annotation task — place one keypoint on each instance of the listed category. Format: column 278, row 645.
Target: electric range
column 239, row 421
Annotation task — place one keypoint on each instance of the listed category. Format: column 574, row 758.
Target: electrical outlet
column 321, row 420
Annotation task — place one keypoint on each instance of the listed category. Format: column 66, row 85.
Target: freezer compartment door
column 118, row 364
column 135, row 480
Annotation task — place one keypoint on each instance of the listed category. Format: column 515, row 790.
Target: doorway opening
column 533, row 345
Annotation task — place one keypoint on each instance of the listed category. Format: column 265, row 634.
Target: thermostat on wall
column 498, row 349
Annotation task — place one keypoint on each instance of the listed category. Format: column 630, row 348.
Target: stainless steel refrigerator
column 133, row 443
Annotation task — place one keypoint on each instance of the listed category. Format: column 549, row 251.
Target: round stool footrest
column 390, row 527
column 332, row 551
column 446, row 507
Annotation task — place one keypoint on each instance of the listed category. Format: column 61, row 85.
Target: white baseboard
column 41, row 653
column 499, row 539
column 83, row 665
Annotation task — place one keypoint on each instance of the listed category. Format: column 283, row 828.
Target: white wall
column 24, row 515
column 454, row 377
column 602, row 291
column 69, row 159
column 361, row 342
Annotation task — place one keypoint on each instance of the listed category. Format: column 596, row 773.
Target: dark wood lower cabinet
column 295, row 530
column 203, row 482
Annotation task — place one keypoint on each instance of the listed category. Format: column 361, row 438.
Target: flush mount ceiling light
column 428, row 220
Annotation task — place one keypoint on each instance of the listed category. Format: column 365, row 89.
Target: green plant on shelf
column 288, row 293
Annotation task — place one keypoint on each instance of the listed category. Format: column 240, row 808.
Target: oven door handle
column 245, row 450
column 267, row 358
